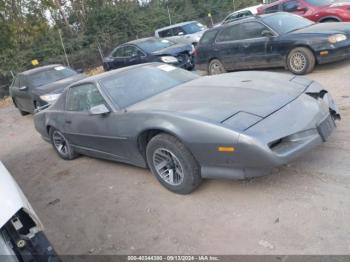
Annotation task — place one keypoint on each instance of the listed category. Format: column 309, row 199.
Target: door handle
column 68, row 121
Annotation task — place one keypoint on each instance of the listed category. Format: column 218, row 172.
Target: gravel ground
column 91, row 206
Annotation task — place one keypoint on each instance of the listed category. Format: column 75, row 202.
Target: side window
column 165, row 33
column 272, row 9
column 178, row 31
column 208, row 37
column 131, row 51
column 82, row 98
column 230, row 33
column 290, row 6
column 252, row 30
column 119, row 52
column 231, row 18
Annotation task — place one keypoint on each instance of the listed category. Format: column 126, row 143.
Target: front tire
column 173, row 164
column 61, row 145
column 301, row 61
column 216, row 67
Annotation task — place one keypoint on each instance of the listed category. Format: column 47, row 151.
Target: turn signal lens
column 226, row 149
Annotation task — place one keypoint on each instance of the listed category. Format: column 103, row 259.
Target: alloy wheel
column 298, row 62
column 168, row 166
column 60, row 143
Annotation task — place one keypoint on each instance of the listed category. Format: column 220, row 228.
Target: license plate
column 326, row 127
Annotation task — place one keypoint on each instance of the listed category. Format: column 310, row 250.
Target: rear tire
column 61, row 145
column 301, row 61
column 216, row 67
column 173, row 164
column 23, row 113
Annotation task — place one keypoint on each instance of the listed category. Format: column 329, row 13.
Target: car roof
column 176, row 25
column 39, row 69
column 98, row 77
column 140, row 40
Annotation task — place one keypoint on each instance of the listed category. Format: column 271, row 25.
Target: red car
column 315, row 10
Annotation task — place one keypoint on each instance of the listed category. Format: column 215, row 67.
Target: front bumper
column 278, row 139
column 335, row 53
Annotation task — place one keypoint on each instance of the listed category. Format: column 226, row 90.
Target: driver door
column 97, row 135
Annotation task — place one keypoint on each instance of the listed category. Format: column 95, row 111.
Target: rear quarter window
column 208, row 37
column 166, row 33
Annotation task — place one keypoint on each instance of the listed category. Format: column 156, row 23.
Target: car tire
column 215, row 67
column 301, row 61
column 173, row 164
column 61, row 145
column 23, row 113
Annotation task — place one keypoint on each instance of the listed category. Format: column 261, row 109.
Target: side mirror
column 181, row 33
column 99, row 110
column 267, row 33
column 80, row 71
column 23, row 88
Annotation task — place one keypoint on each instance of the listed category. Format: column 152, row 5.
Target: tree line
column 89, row 29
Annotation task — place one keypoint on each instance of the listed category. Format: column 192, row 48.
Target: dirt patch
column 5, row 102
column 95, row 71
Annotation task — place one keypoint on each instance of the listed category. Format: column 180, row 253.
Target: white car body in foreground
column 21, row 231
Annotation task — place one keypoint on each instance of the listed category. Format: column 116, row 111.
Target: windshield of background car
column 49, row 76
column 320, row 2
column 285, row 22
column 153, row 44
column 132, row 86
column 193, row 28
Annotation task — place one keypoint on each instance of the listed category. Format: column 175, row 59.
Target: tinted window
column 272, row 9
column 139, row 84
column 49, row 76
column 154, row 44
column 237, row 16
column 83, row 97
column 251, row 30
column 290, row 6
column 193, row 28
column 230, row 33
column 119, row 52
column 178, row 31
column 208, row 37
column 320, row 2
column 285, row 22
column 130, row 51
column 165, row 33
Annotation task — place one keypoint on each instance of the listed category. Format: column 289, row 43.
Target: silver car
column 186, row 33
column 186, row 128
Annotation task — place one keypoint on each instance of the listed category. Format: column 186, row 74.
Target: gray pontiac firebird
column 185, row 127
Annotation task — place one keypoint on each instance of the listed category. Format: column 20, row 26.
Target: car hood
column 217, row 98
column 174, row 50
column 325, row 28
column 58, row 86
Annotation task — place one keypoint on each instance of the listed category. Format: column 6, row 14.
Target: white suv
column 186, row 33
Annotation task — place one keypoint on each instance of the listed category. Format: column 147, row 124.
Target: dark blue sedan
column 147, row 50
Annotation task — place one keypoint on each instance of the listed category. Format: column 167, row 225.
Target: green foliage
column 29, row 28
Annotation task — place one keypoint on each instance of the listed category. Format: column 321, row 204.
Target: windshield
column 285, row 22
column 49, row 76
column 193, row 28
column 153, row 44
column 320, row 2
column 135, row 85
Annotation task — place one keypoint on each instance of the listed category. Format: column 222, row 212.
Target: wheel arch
column 323, row 19
column 146, row 135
